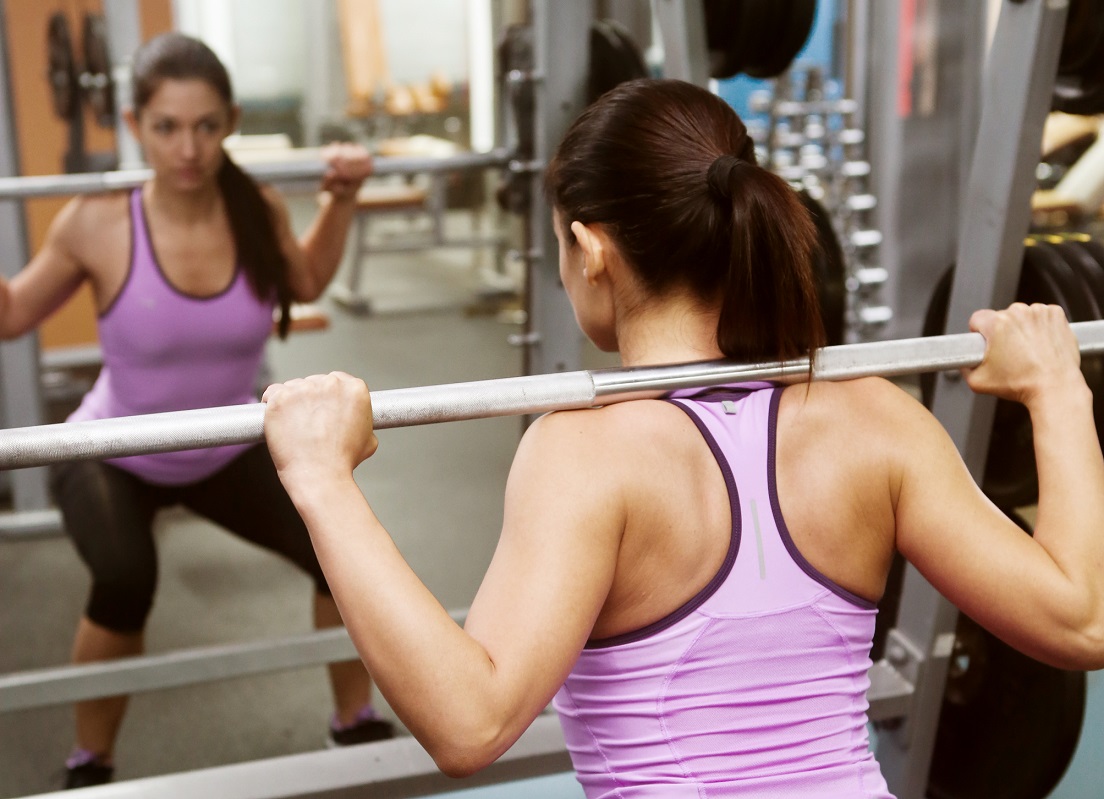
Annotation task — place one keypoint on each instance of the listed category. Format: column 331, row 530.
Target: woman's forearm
column 324, row 241
column 439, row 680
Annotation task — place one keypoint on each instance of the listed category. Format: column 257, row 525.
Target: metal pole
column 887, row 696
column 20, row 389
column 560, row 53
column 309, row 167
column 510, row 396
column 395, row 769
column 682, row 24
column 124, row 36
column 1019, row 82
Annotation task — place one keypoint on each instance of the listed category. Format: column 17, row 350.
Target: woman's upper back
column 834, row 471
column 754, row 670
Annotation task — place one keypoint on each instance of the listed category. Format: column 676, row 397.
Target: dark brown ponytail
column 179, row 57
column 769, row 283
column 669, row 171
column 254, row 230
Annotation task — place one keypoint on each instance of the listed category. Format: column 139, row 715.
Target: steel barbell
column 285, row 171
column 510, row 396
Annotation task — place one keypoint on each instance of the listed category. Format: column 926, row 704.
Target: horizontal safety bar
column 243, row 424
column 286, row 171
column 396, row 769
column 888, row 693
column 401, row 768
column 62, row 685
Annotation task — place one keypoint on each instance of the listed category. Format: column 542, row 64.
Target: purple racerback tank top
column 756, row 687
column 164, row 350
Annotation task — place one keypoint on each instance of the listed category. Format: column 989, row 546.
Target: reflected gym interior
column 911, row 129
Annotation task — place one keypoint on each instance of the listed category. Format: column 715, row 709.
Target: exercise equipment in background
column 1079, row 88
column 614, row 57
column 1009, row 725
column 1064, row 271
column 74, row 85
column 813, row 142
column 759, row 38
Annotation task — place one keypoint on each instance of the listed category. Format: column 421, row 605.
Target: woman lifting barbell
column 186, row 272
column 692, row 582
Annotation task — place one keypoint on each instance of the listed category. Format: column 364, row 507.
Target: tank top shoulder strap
column 145, row 269
column 141, row 250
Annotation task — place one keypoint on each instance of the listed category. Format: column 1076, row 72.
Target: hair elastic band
column 720, row 172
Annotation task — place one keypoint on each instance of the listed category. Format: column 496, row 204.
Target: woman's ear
column 592, row 242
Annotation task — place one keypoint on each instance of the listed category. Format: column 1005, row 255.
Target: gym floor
column 433, row 326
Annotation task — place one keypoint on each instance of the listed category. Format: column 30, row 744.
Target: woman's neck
column 676, row 329
column 185, row 207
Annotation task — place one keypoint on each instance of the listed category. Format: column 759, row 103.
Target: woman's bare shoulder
column 869, row 415
column 87, row 220
column 90, row 213
column 866, row 398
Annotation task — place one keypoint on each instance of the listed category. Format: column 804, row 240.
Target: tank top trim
column 718, row 579
column 784, row 531
column 129, row 264
column 161, row 271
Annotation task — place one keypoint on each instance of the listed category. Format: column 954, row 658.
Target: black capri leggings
column 109, row 514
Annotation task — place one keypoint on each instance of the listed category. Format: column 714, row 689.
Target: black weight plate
column 1083, row 36
column 1083, row 91
column 97, row 62
column 1092, row 247
column 1068, row 283
column 1087, row 268
column 1075, row 95
column 61, row 67
column 829, row 271
column 759, row 29
column 722, row 17
column 722, row 30
column 796, row 29
column 614, row 58
column 1084, row 281
column 636, row 66
column 1009, row 725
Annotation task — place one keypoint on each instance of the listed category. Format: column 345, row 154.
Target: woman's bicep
column 554, row 563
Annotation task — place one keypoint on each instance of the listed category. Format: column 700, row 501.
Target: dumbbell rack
column 813, row 142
